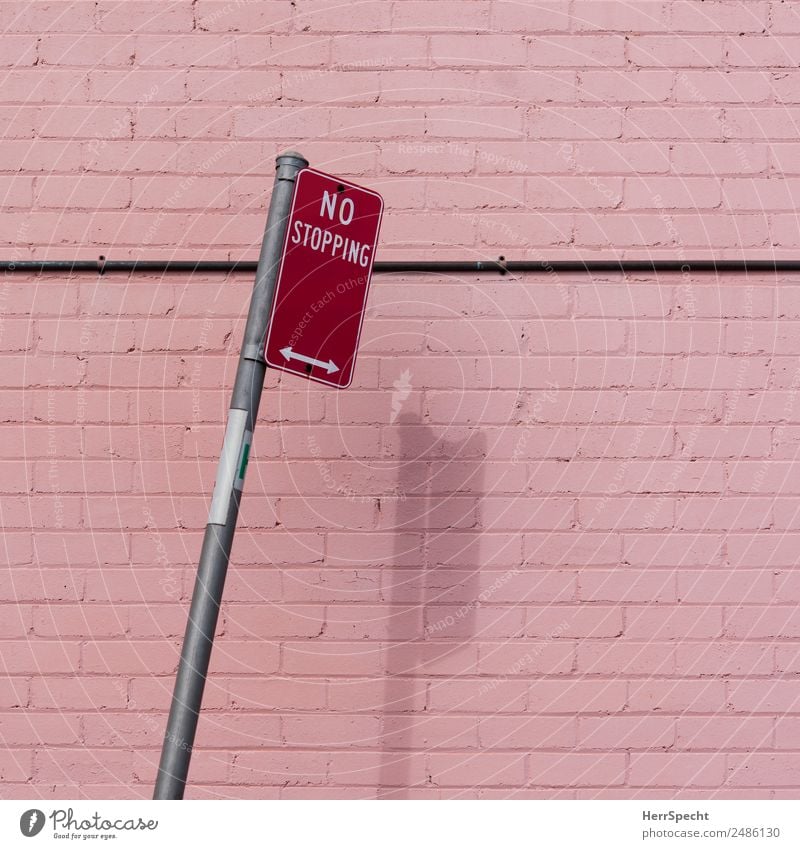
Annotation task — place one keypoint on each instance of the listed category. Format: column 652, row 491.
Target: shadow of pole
column 432, row 592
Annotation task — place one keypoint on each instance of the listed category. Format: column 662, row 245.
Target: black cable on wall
column 500, row 265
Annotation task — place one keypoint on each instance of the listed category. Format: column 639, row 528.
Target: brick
column 48, row 17
column 272, row 621
column 128, row 656
column 648, row 16
column 759, row 770
column 528, row 514
column 620, row 513
column 331, row 731
column 753, row 123
column 579, row 622
column 705, row 122
column 245, row 657
column 549, row 15
column 760, row 622
column 231, row 731
column 668, row 193
column 162, row 620
column 385, row 769
column 40, row 729
column 278, row 694
column 622, row 441
column 16, row 765
column 430, row 732
column 626, row 732
column 620, row 87
column 373, row 694
column 490, row 695
column 664, row 51
column 469, row 50
column 247, row 87
column 14, row 692
column 418, row 16
column 607, row 658
column 678, row 770
column 672, row 550
column 717, row 17
column 501, row 732
column 332, row 585
column 318, row 16
column 99, row 549
column 785, row 514
column 22, row 299
column 565, row 770
column 282, row 51
column 674, row 623
column 212, row 767
column 278, row 768
column 178, row 193
column 721, row 372
column 16, row 191
column 724, row 586
column 552, row 696
column 764, row 50
column 730, row 87
column 543, row 655
column 18, row 51
column 760, row 550
column 195, row 51
column 36, row 657
column 43, row 511
column 677, row 696
column 485, row 769
column 31, row 584
column 626, row 585
column 82, row 766
column 109, row 729
column 143, row 15
column 139, row 585
column 430, row 658
column 505, row 86
column 220, row 16
column 81, row 692
column 720, row 158
column 724, row 658
column 724, row 732
column 564, row 122
column 331, row 658
column 89, row 621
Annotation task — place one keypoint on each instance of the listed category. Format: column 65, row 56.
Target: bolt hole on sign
column 323, row 279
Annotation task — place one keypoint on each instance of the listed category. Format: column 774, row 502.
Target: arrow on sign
column 289, row 355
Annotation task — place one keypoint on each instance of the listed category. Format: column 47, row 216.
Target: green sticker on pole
column 243, row 458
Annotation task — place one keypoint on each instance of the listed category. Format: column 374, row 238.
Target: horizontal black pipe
column 106, row 266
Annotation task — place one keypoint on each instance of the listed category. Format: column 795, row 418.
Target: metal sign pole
column 215, row 553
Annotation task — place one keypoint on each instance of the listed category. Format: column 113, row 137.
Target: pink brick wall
column 547, row 543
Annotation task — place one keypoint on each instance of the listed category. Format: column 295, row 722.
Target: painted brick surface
column 546, row 544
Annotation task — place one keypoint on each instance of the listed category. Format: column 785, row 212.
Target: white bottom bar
column 366, row 825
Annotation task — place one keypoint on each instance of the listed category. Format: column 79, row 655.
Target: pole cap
column 291, row 157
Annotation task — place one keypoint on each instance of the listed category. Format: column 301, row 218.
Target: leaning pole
column 198, row 640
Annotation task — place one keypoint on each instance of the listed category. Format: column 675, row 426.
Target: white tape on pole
column 228, row 469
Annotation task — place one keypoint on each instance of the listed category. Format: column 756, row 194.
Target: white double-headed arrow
column 289, row 355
